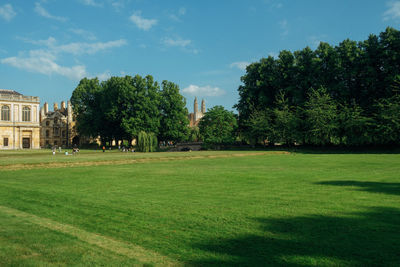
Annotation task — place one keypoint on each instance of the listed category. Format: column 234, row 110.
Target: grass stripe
column 129, row 250
column 19, row 166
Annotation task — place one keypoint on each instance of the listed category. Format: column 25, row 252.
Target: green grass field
column 242, row 208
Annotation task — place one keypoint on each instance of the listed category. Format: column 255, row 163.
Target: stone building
column 19, row 121
column 197, row 114
column 57, row 126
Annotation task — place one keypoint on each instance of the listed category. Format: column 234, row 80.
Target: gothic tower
column 203, row 107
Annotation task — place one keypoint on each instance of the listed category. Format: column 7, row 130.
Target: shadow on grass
column 364, row 239
column 374, row 187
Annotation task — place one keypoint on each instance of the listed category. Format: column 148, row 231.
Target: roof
column 9, row 92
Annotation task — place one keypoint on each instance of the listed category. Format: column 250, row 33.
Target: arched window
column 47, row 133
column 26, row 114
column 5, row 113
column 47, row 123
column 55, row 120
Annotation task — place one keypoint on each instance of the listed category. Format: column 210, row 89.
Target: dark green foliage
column 361, row 78
column 218, row 126
column 388, row 120
column 122, row 107
column 174, row 115
column 320, row 115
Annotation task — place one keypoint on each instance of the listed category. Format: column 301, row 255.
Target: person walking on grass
column 104, row 149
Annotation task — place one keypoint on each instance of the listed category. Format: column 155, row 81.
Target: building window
column 5, row 113
column 63, row 133
column 55, row 143
column 5, row 141
column 47, row 142
column 47, row 123
column 55, row 120
column 26, row 114
column 56, row 131
column 47, row 133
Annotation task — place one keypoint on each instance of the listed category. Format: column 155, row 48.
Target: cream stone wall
column 19, row 133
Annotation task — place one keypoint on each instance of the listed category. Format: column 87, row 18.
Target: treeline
column 124, row 108
column 346, row 94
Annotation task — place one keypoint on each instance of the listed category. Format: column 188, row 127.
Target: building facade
column 197, row 114
column 19, row 121
column 57, row 126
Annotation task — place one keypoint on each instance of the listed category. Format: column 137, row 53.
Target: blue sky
column 47, row 46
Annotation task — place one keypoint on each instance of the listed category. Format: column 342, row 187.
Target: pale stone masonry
column 58, row 126
column 19, row 120
column 197, row 114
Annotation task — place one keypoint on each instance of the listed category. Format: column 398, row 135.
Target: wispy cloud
column 142, row 23
column 240, row 65
column 176, row 42
column 40, row 10
column 104, row 76
column 393, row 11
column 88, row 48
column 44, row 60
column 208, row 90
column 7, row 12
column 39, row 61
column 85, row 34
column 284, row 27
column 177, row 15
column 91, row 3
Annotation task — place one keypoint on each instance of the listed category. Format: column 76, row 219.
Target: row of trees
column 122, row 108
column 346, row 94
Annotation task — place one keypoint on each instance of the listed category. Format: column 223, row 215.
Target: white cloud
column 88, row 48
column 44, row 63
column 240, row 65
column 7, row 12
column 91, row 3
column 176, row 42
column 44, row 60
column 273, row 54
column 104, row 76
column 393, row 11
column 284, row 27
column 44, row 13
column 77, row 48
column 142, row 23
column 85, row 34
column 182, row 11
column 196, row 90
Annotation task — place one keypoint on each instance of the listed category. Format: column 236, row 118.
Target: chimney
column 55, row 106
column 203, row 106
column 62, row 106
column 46, row 108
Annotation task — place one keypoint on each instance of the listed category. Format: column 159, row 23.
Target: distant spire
column 203, row 106
column 196, row 108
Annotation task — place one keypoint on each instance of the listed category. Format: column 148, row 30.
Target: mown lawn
column 212, row 208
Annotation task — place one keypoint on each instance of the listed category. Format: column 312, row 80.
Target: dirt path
column 129, row 250
column 20, row 166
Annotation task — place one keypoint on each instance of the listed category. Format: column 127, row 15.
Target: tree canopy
column 122, row 107
column 344, row 94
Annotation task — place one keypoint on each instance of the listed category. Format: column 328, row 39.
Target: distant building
column 195, row 117
column 19, row 121
column 58, row 126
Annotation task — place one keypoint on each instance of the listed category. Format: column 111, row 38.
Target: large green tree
column 218, row 126
column 320, row 114
column 86, row 105
column 174, row 124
